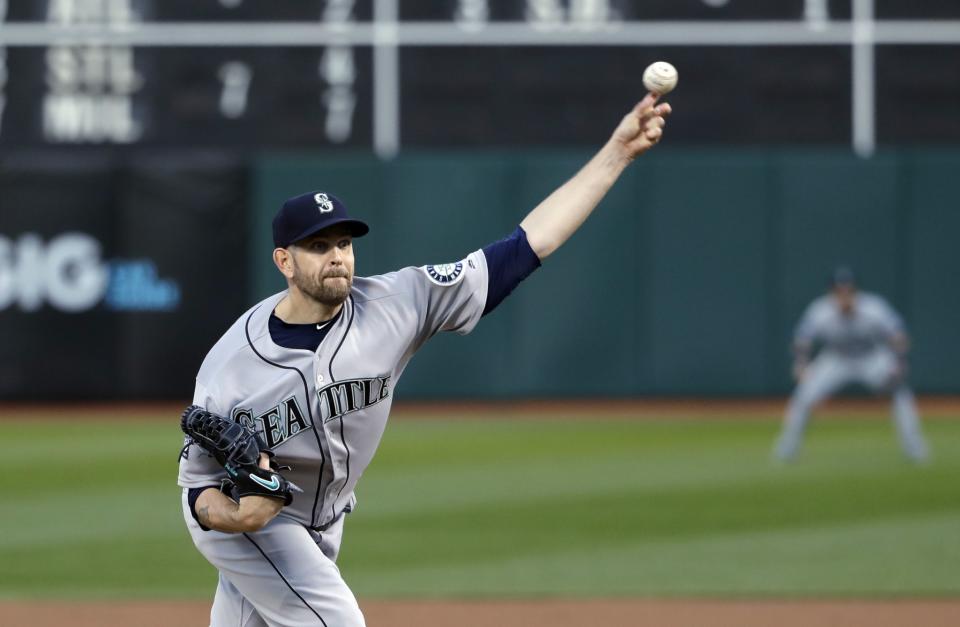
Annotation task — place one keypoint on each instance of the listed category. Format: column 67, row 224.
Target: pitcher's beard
column 329, row 293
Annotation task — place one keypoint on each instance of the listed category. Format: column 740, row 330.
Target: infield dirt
column 542, row 613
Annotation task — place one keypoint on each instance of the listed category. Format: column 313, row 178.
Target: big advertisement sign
column 116, row 275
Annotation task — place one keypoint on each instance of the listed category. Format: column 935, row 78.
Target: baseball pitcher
column 291, row 402
column 861, row 340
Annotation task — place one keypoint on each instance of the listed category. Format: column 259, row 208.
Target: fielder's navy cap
column 310, row 213
column 842, row 275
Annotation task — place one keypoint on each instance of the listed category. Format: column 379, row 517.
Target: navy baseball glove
column 237, row 448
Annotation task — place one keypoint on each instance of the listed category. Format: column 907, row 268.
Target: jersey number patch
column 445, row 273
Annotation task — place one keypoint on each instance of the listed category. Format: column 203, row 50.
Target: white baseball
column 660, row 77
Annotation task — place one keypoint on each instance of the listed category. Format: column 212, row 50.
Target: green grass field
column 483, row 507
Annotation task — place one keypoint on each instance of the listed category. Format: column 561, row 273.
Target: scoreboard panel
column 531, row 92
column 72, row 95
column 508, row 99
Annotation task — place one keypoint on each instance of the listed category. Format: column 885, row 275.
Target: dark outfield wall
column 688, row 280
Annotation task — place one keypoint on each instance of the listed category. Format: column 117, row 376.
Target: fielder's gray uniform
column 323, row 413
column 854, row 348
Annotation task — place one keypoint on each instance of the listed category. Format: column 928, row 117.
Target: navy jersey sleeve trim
column 192, row 495
column 509, row 261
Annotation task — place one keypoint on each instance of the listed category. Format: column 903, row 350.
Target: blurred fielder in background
column 861, row 339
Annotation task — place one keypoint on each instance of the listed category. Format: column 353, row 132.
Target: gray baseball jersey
column 871, row 324
column 324, row 412
column 855, row 349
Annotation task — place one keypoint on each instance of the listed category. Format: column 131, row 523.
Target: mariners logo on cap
column 324, row 204
column 445, row 273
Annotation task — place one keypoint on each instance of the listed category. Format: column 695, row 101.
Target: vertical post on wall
column 863, row 83
column 386, row 79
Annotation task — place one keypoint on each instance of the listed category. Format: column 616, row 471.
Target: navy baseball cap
column 310, row 213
